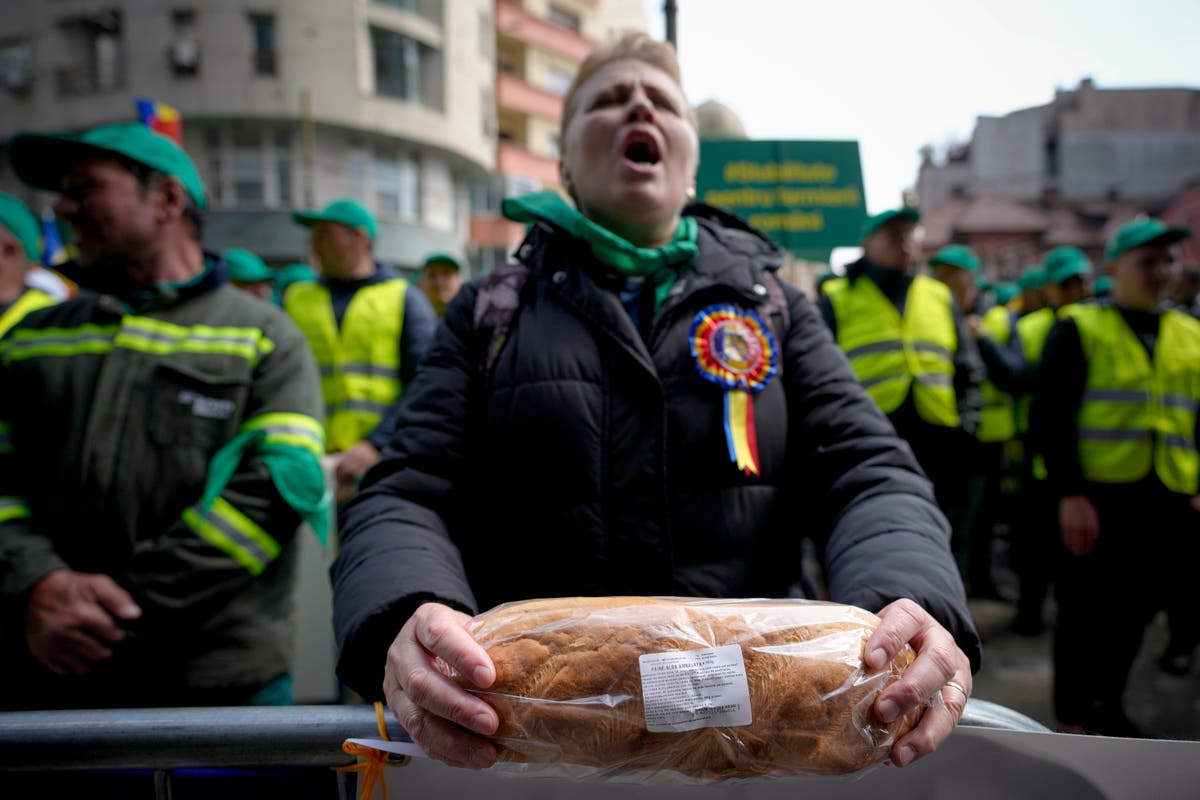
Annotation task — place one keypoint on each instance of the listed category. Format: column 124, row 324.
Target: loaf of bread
column 647, row 685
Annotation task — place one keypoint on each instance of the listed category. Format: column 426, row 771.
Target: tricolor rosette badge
column 733, row 348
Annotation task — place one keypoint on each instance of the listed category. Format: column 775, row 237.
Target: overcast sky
column 897, row 75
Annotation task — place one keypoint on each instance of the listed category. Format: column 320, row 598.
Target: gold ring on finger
column 959, row 687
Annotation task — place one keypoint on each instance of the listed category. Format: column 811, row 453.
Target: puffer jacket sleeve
column 884, row 537
column 396, row 551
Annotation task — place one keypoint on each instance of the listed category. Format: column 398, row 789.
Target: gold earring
column 691, row 194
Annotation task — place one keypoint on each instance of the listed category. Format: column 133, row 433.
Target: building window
column 283, row 167
column 406, row 69
column 429, row 9
column 410, row 189
column 563, row 18
column 16, row 59
column 94, row 54
column 356, row 169
column 558, row 80
column 248, row 168
column 183, row 52
column 216, row 165
column 396, row 185
column 262, row 41
column 385, row 177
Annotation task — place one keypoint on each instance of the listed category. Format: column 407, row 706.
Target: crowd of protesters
column 639, row 393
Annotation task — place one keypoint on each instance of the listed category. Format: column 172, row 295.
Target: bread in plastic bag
column 659, row 686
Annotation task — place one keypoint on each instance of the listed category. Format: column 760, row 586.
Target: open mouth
column 641, row 148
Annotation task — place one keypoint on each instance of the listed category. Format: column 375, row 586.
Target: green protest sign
column 807, row 196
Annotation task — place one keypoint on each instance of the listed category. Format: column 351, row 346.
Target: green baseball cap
column 1143, row 230
column 344, row 211
column 41, row 159
column 22, row 224
column 879, row 220
column 246, row 267
column 443, row 258
column 1102, row 286
column 1005, row 292
column 1063, row 263
column 294, row 273
column 1032, row 278
column 956, row 255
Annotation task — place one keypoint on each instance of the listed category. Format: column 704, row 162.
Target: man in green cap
column 1116, row 415
column 441, row 278
column 19, row 251
column 159, row 446
column 285, row 276
column 249, row 273
column 1030, row 284
column 369, row 330
column 907, row 343
column 1066, row 271
column 994, row 331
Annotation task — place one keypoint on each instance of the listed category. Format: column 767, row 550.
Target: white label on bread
column 683, row 690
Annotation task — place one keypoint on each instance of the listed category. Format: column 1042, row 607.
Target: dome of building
column 718, row 121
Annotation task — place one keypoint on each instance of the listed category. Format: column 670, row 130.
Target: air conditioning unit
column 15, row 74
column 184, row 55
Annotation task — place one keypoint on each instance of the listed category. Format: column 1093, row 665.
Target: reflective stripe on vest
column 360, row 363
column 142, row 334
column 30, row 300
column 998, row 417
column 891, row 354
column 1139, row 414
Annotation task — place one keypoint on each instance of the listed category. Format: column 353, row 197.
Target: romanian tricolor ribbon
column 734, row 349
column 374, row 763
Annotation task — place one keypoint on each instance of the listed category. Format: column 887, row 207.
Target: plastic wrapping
column 670, row 688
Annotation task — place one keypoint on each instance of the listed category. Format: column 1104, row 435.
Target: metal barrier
column 168, row 739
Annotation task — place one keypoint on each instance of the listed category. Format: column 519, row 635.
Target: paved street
column 1017, row 673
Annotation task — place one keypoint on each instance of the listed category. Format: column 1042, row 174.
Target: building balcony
column 512, row 159
column 517, row 95
column 515, row 22
column 496, row 232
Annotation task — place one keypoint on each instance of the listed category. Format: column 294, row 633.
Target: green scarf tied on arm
column 660, row 264
column 296, row 472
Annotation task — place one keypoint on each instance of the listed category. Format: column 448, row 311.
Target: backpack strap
column 496, row 307
column 774, row 309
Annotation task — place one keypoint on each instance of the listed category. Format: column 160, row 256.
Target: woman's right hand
column 436, row 712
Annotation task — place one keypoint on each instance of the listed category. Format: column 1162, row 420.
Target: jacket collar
column 731, row 254
column 122, row 296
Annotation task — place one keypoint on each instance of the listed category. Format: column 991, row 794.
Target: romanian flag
column 162, row 118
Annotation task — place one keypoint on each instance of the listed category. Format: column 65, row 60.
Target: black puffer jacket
column 590, row 462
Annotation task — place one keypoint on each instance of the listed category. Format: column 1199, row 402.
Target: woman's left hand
column 940, row 666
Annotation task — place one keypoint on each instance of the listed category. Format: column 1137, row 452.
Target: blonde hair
column 631, row 45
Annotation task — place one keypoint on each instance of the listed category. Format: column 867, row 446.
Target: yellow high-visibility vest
column 30, row 300
column 1139, row 413
column 360, row 364
column 998, row 418
column 891, row 354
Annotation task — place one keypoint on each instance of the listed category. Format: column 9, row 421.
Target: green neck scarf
column 660, row 264
column 296, row 473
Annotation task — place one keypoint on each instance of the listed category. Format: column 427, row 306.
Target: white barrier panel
column 975, row 763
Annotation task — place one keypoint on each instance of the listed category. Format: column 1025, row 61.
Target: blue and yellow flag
column 53, row 250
